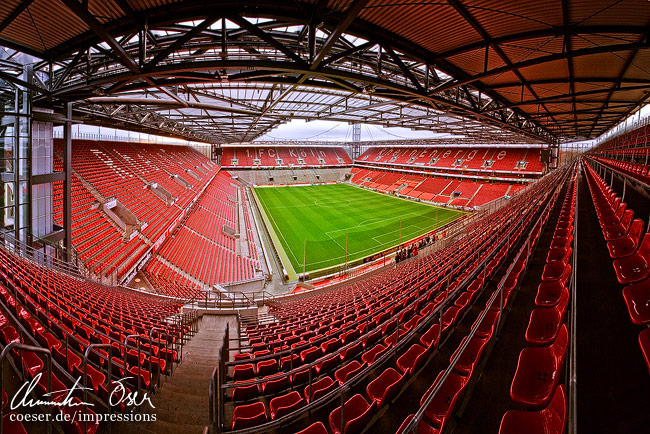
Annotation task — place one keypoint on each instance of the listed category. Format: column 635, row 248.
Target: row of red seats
column 435, row 189
column 634, row 138
column 389, row 382
column 536, row 383
column 217, row 260
column 167, row 281
column 283, row 156
column 638, row 171
column 210, row 262
column 33, row 368
column 629, row 248
column 510, row 160
column 121, row 170
column 66, row 315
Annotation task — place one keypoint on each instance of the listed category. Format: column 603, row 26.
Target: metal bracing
column 233, row 71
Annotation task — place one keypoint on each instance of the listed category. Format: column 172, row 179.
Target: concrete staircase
column 182, row 400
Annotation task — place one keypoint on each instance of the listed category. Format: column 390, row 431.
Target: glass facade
column 42, row 164
column 15, row 132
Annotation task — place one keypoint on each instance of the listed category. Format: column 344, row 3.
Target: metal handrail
column 110, row 383
column 25, row 347
column 573, row 315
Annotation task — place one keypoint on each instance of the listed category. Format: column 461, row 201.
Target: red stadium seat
column 350, row 370
column 554, row 271
column 384, row 387
column 637, row 300
column 551, row 420
column 287, row 362
column 275, row 384
column 620, row 229
column 356, row 414
column 422, row 428
column 538, row 372
column 267, row 367
column 314, row 428
column 243, row 372
column 70, row 421
column 32, row 364
column 412, row 359
column 439, row 410
column 486, row 327
column 283, row 405
column 471, row 356
column 248, row 416
column 351, row 352
column 373, row 354
column 328, row 364
column 244, row 393
column 549, row 293
column 449, row 317
column 301, row 376
column 544, row 323
column 627, row 245
column 310, row 354
column 319, row 388
column 430, row 338
column 635, row 267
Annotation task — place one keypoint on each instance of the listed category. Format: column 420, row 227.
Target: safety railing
column 39, row 257
column 572, row 425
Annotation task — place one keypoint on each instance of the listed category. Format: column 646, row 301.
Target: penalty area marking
column 376, row 248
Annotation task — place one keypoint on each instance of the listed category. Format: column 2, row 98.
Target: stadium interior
column 192, row 273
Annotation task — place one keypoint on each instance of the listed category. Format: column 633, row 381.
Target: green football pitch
column 320, row 217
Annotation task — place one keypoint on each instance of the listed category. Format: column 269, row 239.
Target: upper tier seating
column 458, row 159
column 283, row 156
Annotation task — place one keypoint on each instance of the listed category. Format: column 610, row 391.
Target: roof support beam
column 407, row 72
column 178, row 43
column 350, row 14
column 567, row 47
column 467, row 16
column 349, row 52
column 83, row 13
column 626, row 66
column 452, row 83
column 253, row 29
column 15, row 13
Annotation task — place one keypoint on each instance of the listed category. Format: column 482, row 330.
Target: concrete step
column 182, row 400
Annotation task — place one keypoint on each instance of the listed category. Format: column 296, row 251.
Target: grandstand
column 171, row 262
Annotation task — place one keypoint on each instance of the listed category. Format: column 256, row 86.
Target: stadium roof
column 538, row 71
